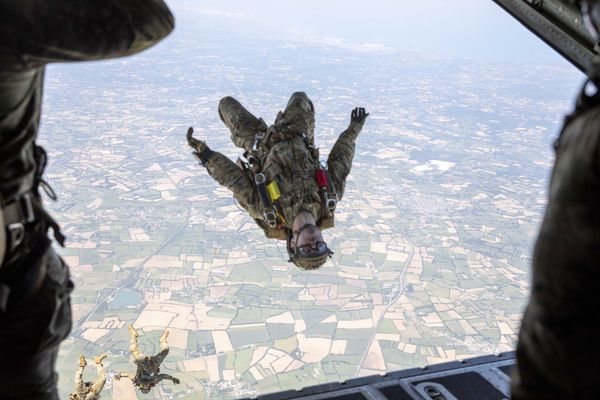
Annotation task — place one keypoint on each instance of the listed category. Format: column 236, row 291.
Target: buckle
column 331, row 204
column 16, row 234
column 271, row 218
column 16, row 215
column 253, row 161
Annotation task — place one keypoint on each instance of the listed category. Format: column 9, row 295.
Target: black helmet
column 145, row 387
column 307, row 257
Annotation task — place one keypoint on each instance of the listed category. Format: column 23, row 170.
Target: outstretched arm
column 230, row 175
column 224, row 171
column 340, row 158
column 125, row 375
column 164, row 349
column 100, row 381
column 61, row 30
column 160, row 377
column 79, row 385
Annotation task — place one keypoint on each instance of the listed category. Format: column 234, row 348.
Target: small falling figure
column 148, row 368
column 89, row 390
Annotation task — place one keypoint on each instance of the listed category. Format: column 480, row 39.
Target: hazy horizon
column 462, row 28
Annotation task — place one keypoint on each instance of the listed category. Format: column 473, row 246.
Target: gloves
column 198, row 145
column 358, row 116
column 98, row 360
column 201, row 151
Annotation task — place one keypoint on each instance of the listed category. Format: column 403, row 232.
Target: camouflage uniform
column 287, row 156
column 87, row 390
column 35, row 312
column 558, row 353
column 148, row 373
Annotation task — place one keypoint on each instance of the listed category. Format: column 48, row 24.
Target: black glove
column 201, row 151
column 198, row 145
column 358, row 116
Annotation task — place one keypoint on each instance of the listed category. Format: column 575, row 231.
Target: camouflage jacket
column 286, row 159
column 558, row 353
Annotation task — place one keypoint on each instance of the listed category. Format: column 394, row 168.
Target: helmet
column 298, row 116
column 307, row 257
column 145, row 388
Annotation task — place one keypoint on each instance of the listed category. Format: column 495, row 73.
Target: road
column 401, row 278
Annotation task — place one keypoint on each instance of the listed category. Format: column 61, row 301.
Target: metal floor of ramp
column 481, row 378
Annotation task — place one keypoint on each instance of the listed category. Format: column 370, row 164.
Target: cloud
column 347, row 45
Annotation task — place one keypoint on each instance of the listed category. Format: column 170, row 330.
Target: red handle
column 321, row 178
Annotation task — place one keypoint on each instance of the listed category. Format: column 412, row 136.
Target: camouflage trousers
column 154, row 361
column 31, row 331
column 558, row 352
column 297, row 118
column 95, row 389
column 147, row 366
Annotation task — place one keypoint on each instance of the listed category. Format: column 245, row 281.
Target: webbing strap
column 2, row 237
column 16, row 215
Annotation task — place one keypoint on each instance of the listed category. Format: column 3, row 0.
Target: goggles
column 308, row 256
column 307, row 250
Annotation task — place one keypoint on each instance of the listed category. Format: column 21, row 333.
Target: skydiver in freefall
column 89, row 390
column 147, row 374
column 283, row 186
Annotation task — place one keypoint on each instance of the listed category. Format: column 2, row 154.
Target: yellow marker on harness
column 273, row 190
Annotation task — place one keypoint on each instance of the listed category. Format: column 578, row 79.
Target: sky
column 477, row 29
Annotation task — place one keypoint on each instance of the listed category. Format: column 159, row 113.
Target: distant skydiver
column 282, row 184
column 89, row 390
column 148, row 373
column 35, row 312
column 558, row 352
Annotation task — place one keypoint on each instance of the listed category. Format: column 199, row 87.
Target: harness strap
column 268, row 210
column 328, row 192
column 22, row 212
column 17, row 214
column 269, row 193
